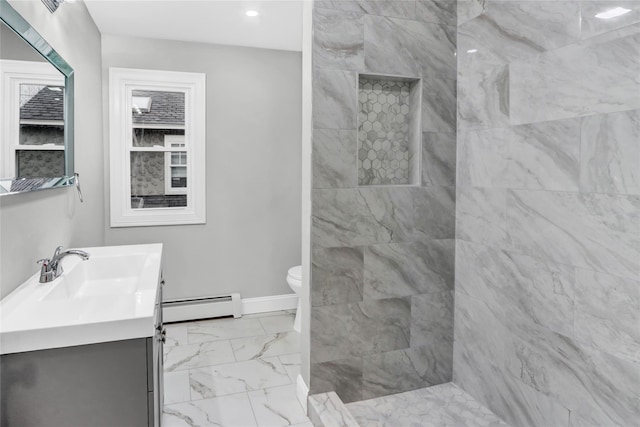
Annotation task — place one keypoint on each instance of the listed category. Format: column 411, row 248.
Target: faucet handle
column 46, row 275
column 57, row 252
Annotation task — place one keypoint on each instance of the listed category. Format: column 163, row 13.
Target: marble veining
column 597, row 75
column 343, row 375
column 484, row 97
column 593, row 231
column 610, row 153
column 545, row 155
column 394, row 8
column 436, row 11
column 377, row 248
column 412, row 368
column 393, row 46
column 200, row 390
column 338, row 39
column 222, row 329
column 438, row 104
column 469, row 9
column 608, row 313
column 479, row 368
column 602, row 386
column 522, row 287
column 220, row 380
column 431, row 321
column 404, row 269
column 353, row 330
column 277, row 406
column 353, row 217
column 334, row 158
column 481, row 215
column 326, row 409
column 278, row 323
column 548, row 215
column 512, row 30
column 439, row 159
column 338, row 275
column 176, row 335
column 265, row 346
column 291, row 363
column 232, row 410
column 438, row 406
column 483, row 158
column 334, row 99
column 194, row 355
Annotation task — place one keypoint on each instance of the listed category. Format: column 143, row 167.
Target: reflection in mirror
column 36, row 109
column 40, row 148
column 158, row 156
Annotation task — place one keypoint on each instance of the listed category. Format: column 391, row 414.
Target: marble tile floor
column 444, row 405
column 233, row 372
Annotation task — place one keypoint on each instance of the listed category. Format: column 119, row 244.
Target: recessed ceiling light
column 252, row 13
column 472, row 50
column 612, row 13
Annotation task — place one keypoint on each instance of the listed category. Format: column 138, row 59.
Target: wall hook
column 77, row 183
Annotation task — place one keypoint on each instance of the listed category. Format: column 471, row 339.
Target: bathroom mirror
column 36, row 109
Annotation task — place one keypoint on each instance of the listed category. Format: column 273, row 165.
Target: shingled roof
column 167, row 108
column 46, row 105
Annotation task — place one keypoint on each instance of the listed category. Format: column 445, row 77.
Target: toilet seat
column 295, row 273
column 294, row 279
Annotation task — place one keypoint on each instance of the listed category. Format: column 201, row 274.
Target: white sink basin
column 100, row 276
column 109, row 297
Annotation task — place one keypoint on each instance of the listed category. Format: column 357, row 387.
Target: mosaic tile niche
column 388, row 130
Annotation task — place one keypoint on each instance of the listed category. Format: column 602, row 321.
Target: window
column 157, row 147
column 175, row 165
column 32, row 94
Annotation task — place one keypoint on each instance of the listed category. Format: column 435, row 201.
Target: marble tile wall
column 547, row 270
column 382, row 257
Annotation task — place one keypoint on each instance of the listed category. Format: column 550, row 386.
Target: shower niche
column 389, row 130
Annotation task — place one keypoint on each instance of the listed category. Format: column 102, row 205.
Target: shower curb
column 328, row 410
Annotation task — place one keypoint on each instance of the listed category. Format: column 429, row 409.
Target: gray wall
column 382, row 257
column 15, row 48
column 252, row 235
column 32, row 225
column 547, row 300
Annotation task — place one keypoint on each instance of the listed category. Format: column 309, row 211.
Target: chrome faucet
column 51, row 268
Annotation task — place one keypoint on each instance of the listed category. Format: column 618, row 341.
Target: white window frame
column 12, row 75
column 122, row 82
column 168, row 140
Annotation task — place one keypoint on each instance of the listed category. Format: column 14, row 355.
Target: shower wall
column 547, row 299
column 382, row 255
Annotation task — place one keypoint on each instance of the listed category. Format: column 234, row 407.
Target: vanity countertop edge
column 136, row 320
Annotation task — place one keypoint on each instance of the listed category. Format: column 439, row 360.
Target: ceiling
column 278, row 26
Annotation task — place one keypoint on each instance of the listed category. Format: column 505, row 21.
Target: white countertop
column 118, row 306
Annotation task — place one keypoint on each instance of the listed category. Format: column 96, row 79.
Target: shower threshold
column 442, row 405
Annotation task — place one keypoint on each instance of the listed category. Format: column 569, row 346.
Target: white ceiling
column 279, row 25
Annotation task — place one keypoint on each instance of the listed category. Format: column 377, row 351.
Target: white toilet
column 294, row 279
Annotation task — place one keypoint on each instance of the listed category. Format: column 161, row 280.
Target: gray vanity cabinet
column 105, row 384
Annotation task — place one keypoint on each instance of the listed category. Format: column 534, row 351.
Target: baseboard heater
column 201, row 308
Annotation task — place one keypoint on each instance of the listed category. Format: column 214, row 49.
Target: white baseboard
column 231, row 305
column 201, row 308
column 302, row 392
column 270, row 303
